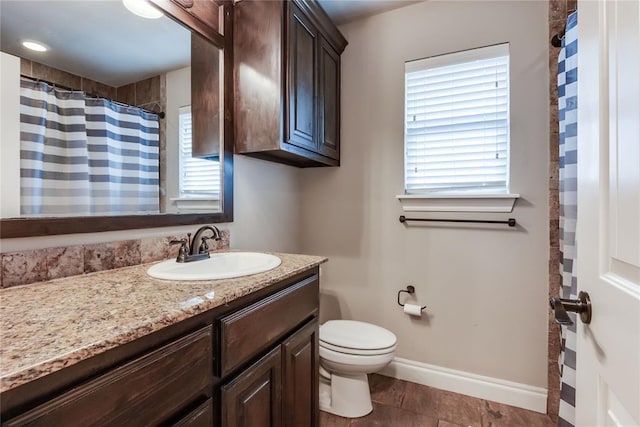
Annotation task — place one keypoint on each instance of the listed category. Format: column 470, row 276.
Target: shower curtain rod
column 556, row 41
column 159, row 114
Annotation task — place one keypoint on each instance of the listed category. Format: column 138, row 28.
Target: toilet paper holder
column 410, row 290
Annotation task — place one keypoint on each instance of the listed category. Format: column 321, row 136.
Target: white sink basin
column 220, row 266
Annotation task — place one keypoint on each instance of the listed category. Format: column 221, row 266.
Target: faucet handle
column 184, row 249
column 204, row 247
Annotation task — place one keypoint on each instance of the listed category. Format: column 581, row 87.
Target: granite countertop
column 47, row 326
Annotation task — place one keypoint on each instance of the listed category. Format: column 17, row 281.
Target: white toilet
column 349, row 350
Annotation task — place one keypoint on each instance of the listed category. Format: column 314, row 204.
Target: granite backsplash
column 24, row 267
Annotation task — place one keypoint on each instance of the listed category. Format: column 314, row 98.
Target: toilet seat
column 357, row 338
column 357, row 351
column 352, row 362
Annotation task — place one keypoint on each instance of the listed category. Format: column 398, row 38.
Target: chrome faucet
column 189, row 248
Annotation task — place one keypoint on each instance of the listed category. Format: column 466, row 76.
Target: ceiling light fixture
column 38, row 47
column 142, row 8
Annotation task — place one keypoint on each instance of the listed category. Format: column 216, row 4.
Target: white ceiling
column 343, row 11
column 98, row 39
column 101, row 40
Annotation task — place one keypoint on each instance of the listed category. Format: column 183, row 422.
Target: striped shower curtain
column 568, row 117
column 83, row 156
column 123, row 158
column 54, row 166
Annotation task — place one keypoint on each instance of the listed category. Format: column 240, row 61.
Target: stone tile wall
column 36, row 70
column 21, row 268
column 558, row 11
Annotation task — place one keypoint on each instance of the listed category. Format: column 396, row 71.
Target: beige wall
column 266, row 214
column 267, row 206
column 9, row 131
column 485, row 287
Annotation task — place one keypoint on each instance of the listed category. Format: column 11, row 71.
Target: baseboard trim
column 497, row 390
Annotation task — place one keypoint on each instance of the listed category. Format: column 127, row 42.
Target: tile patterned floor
column 399, row 403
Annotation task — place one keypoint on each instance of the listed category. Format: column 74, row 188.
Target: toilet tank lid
column 357, row 335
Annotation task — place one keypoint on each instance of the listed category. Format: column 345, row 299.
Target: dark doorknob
column 582, row 306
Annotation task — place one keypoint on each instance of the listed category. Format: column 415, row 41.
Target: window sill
column 190, row 204
column 458, row 202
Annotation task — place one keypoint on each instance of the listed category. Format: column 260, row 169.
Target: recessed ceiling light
column 38, row 47
column 142, row 8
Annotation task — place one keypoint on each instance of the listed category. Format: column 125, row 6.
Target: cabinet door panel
column 301, row 66
column 254, row 398
column 329, row 141
column 300, row 385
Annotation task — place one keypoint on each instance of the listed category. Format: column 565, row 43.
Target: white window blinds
column 199, row 178
column 457, row 121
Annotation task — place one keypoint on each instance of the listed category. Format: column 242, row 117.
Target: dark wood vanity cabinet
column 287, row 82
column 280, row 388
column 253, row 362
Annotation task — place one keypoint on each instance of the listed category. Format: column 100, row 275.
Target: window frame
column 182, row 195
column 449, row 60
column 467, row 199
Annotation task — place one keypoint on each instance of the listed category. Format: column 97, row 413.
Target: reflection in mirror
column 108, row 114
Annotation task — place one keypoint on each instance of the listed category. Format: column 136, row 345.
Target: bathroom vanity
column 121, row 348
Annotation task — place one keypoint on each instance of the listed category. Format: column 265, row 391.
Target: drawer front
column 202, row 416
column 145, row 391
column 255, row 328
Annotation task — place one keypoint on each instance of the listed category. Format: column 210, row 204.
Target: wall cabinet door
column 300, row 384
column 301, row 87
column 329, row 101
column 254, row 398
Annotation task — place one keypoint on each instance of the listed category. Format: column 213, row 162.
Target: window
column 199, row 178
column 457, row 122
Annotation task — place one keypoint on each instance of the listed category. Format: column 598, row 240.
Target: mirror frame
column 30, row 227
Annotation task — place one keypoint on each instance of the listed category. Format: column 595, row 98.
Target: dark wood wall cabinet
column 253, row 362
column 287, row 82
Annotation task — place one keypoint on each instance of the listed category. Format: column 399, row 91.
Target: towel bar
column 511, row 222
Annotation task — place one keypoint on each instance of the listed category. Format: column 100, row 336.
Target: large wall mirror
column 123, row 122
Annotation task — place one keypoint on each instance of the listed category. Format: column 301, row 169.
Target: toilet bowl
column 349, row 350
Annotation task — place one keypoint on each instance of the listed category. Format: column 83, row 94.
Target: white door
column 608, row 235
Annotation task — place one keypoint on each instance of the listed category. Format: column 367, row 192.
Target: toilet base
column 345, row 395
